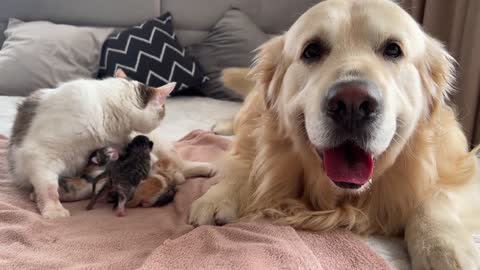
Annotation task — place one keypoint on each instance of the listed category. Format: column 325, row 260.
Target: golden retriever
column 348, row 127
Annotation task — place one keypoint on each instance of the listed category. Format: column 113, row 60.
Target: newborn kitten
column 80, row 188
column 159, row 188
column 55, row 130
column 124, row 175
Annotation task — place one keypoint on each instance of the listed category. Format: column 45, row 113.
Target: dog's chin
column 348, row 166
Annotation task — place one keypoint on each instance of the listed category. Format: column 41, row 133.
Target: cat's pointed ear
column 165, row 90
column 120, row 74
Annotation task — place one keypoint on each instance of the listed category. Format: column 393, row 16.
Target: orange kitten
column 159, row 187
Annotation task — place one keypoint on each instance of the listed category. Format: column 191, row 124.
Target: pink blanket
column 160, row 238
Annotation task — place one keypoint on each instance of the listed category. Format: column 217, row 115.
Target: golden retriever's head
column 353, row 78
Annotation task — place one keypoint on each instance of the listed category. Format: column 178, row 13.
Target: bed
column 185, row 114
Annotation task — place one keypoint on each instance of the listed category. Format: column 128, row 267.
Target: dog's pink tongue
column 348, row 163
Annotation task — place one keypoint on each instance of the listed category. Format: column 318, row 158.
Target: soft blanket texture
column 160, row 238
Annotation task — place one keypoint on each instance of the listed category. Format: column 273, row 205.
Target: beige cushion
column 41, row 54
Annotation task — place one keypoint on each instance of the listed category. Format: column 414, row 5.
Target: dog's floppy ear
column 437, row 72
column 266, row 62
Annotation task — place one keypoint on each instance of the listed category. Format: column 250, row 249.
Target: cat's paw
column 54, row 211
column 212, row 209
column 120, row 212
column 447, row 254
column 210, row 171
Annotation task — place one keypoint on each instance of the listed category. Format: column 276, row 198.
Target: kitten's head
column 149, row 103
column 140, row 143
column 104, row 155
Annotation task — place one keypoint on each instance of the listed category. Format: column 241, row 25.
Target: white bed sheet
column 189, row 113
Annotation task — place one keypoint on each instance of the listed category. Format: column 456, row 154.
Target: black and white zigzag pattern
column 150, row 53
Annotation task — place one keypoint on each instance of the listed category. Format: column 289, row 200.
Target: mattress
column 185, row 114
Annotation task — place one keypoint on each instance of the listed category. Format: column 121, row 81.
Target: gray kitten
column 124, row 175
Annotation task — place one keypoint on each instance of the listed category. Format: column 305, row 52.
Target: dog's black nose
column 353, row 104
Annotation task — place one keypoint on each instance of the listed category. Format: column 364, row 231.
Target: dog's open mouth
column 348, row 165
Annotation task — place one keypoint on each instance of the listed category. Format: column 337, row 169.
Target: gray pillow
column 229, row 44
column 42, row 54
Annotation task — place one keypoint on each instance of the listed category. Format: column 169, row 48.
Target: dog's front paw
column 54, row 211
column 212, row 210
column 447, row 254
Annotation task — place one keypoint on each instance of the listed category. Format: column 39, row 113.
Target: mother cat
column 56, row 130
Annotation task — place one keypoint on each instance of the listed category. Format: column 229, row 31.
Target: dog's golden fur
column 238, row 80
column 425, row 182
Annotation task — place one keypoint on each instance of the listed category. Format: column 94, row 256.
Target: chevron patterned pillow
column 150, row 53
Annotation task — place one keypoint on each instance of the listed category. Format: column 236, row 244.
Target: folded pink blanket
column 160, row 238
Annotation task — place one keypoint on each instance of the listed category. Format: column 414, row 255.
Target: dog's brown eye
column 313, row 51
column 392, row 50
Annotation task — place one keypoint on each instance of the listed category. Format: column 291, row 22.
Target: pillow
column 230, row 43
column 150, row 53
column 41, row 54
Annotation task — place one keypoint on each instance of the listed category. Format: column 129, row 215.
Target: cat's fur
column 56, row 130
column 80, row 188
column 159, row 187
column 124, row 174
column 76, row 188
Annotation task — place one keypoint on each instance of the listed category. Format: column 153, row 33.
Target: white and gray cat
column 56, row 130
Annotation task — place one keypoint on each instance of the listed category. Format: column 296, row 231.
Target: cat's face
column 149, row 103
column 104, row 155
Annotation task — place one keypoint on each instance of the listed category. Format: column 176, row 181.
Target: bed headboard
column 192, row 18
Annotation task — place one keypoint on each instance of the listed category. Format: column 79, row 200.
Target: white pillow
column 42, row 54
